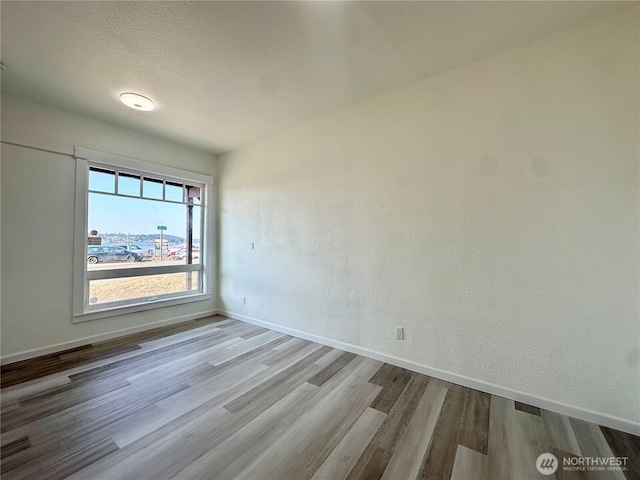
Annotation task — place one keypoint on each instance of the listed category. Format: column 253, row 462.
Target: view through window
column 143, row 239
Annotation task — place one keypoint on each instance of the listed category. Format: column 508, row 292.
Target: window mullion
column 141, row 271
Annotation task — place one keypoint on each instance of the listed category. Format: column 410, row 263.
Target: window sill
column 138, row 307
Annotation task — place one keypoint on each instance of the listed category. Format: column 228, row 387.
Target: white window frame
column 82, row 310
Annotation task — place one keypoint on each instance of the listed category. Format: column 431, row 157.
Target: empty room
column 320, row 240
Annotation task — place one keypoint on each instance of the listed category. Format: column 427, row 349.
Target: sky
column 118, row 214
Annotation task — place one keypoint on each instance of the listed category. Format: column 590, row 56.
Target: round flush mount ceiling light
column 137, row 102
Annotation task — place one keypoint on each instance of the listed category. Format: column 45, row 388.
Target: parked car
column 103, row 253
column 182, row 254
column 145, row 253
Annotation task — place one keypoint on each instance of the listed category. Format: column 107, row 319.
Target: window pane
column 174, row 192
column 102, row 180
column 128, row 184
column 152, row 188
column 117, row 289
column 128, row 222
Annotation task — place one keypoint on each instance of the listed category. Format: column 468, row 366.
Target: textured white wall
column 492, row 211
column 38, row 191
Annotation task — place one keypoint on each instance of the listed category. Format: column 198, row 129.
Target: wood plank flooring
column 222, row 399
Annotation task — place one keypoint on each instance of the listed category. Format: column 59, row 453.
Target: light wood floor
column 221, row 399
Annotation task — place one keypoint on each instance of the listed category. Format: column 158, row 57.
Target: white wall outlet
column 399, row 333
column 244, row 300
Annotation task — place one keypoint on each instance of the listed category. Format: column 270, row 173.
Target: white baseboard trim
column 500, row 391
column 37, row 352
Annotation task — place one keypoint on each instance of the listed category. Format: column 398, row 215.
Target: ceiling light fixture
column 137, row 102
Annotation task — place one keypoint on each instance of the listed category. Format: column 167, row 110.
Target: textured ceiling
column 224, row 74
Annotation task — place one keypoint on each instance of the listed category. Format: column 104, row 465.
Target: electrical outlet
column 244, row 300
column 399, row 333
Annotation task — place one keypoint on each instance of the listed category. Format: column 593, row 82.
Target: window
column 141, row 236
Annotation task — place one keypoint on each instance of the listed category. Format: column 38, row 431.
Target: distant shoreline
column 141, row 239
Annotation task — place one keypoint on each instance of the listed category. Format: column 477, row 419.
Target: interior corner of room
column 479, row 224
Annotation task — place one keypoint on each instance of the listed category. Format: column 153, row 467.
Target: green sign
column 162, row 227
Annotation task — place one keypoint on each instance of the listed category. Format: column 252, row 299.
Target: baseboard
column 540, row 402
column 37, row 352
